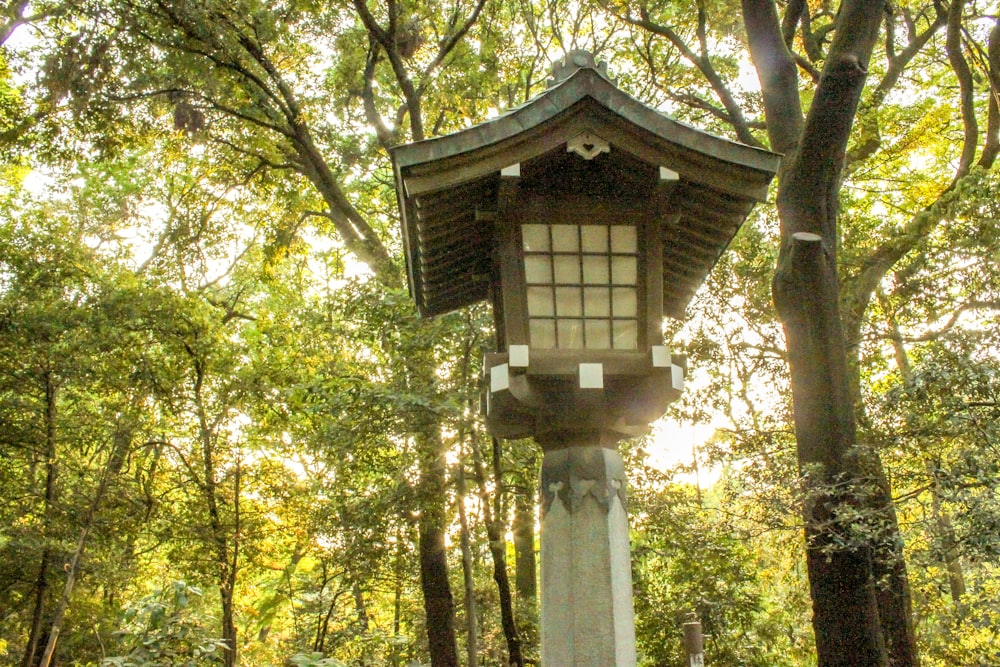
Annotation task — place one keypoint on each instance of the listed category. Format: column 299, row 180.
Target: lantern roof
column 448, row 186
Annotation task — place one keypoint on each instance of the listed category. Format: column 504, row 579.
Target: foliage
column 210, row 371
column 313, row 660
column 691, row 558
column 166, row 628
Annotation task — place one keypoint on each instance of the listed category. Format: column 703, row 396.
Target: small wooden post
column 693, row 642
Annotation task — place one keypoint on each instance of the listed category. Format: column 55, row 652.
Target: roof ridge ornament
column 575, row 60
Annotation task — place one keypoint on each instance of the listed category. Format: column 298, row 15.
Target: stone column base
column 587, row 615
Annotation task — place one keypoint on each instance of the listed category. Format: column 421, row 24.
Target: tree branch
column 812, row 40
column 794, row 12
column 806, row 66
column 867, row 118
column 970, row 305
column 386, row 137
column 733, row 111
column 387, row 40
column 449, row 44
column 828, row 126
column 881, row 261
column 777, row 73
column 211, row 48
column 14, row 14
column 920, row 225
column 953, row 44
column 991, row 147
column 358, row 236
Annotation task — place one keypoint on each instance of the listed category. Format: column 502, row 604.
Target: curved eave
column 443, row 183
column 515, row 136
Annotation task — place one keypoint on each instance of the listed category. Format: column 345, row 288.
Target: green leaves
column 314, row 660
column 167, row 628
column 695, row 557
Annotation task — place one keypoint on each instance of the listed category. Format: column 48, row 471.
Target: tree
column 821, row 156
column 806, row 295
column 807, row 298
column 690, row 556
column 224, row 70
column 231, row 137
column 931, row 404
column 74, row 381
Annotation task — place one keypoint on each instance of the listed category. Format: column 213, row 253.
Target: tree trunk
column 892, row 583
column 323, row 619
column 889, row 564
column 364, row 622
column 439, row 605
column 116, row 458
column 35, row 636
column 228, row 573
column 397, row 600
column 51, row 473
column 225, row 562
column 806, row 296
column 498, row 552
column 471, row 626
column 227, row 576
column 525, row 580
column 839, row 561
column 949, row 555
column 892, row 591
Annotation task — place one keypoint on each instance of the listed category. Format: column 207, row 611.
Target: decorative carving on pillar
column 574, row 473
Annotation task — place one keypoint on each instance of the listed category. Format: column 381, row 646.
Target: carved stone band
column 574, row 473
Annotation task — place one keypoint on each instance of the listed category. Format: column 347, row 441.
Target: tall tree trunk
column 892, row 591
column 364, row 622
column 471, row 626
column 949, row 552
column 397, row 599
column 116, row 458
column 41, row 586
column 839, row 561
column 525, row 580
column 498, row 550
column 230, row 570
column 323, row 620
column 806, row 296
column 225, row 562
column 51, row 474
column 439, row 605
column 892, row 582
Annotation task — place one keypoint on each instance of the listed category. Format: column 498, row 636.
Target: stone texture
column 587, row 615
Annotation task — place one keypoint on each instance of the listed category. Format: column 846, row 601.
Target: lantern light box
column 585, row 217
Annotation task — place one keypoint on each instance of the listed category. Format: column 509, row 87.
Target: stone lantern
column 585, row 217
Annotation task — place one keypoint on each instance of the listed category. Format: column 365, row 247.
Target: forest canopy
column 226, row 437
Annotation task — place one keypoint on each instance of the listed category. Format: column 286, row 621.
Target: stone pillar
column 587, row 616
